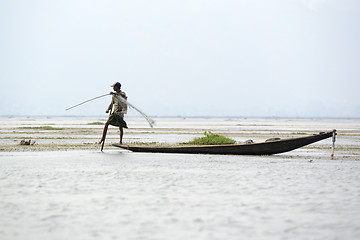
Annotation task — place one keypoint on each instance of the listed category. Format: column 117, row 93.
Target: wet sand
column 86, row 194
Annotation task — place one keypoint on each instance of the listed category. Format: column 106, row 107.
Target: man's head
column 116, row 86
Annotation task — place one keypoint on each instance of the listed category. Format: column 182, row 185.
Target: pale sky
column 284, row 58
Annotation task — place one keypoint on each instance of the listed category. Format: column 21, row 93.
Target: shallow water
column 76, row 133
column 123, row 195
column 302, row 194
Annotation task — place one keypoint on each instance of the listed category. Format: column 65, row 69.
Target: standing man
column 117, row 117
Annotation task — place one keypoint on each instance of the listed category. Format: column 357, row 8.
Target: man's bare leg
column 121, row 134
column 104, row 133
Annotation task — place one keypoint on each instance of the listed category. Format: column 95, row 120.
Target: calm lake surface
column 118, row 194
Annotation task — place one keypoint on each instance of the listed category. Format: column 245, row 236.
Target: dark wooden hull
column 263, row 148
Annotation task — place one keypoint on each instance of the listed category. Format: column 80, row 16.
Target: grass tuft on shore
column 96, row 123
column 47, row 128
column 211, row 139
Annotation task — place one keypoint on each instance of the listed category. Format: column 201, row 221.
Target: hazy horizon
column 137, row 116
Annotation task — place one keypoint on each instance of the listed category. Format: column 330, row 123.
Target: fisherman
column 120, row 108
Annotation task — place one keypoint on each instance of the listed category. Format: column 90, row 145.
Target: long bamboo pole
column 87, row 101
column 148, row 119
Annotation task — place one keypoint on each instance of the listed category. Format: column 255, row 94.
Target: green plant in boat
column 211, row 139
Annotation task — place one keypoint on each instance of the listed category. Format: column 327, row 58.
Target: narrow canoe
column 262, row 148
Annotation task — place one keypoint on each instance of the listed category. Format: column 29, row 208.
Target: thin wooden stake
column 333, row 143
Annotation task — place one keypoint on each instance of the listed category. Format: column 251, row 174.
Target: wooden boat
column 262, row 148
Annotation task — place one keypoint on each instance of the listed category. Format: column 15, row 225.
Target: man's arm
column 110, row 107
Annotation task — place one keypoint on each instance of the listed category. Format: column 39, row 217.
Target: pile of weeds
column 211, row 139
